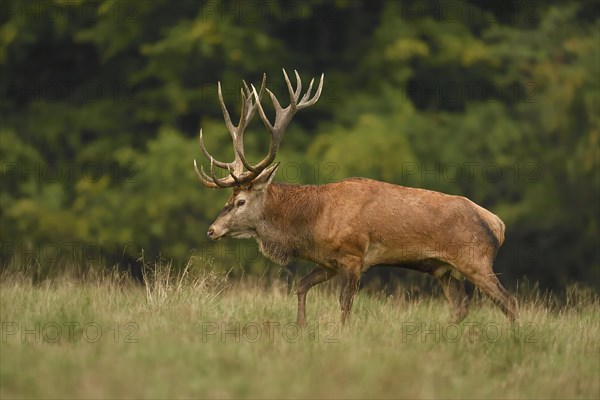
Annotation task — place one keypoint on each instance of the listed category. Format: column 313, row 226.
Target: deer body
column 349, row 226
column 377, row 222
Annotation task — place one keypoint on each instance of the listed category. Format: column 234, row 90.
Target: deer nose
column 210, row 233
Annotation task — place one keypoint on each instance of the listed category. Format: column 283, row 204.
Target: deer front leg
column 318, row 275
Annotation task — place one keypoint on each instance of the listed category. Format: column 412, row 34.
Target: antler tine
column 293, row 93
column 212, row 181
column 235, row 178
column 249, row 95
column 283, row 116
column 243, row 114
column 299, row 87
column 307, row 94
column 222, row 183
column 237, row 136
column 219, row 164
column 204, row 179
column 261, row 112
column 246, row 88
column 304, row 103
column 249, row 107
column 226, row 116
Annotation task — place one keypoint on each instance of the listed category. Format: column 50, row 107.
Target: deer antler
column 283, row 117
column 236, row 167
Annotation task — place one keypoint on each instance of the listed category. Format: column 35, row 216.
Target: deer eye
column 240, row 203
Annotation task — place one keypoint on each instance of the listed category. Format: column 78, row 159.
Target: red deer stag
column 349, row 226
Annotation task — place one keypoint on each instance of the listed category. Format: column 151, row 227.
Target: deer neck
column 286, row 230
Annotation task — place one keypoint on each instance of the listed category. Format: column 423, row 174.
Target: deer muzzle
column 215, row 233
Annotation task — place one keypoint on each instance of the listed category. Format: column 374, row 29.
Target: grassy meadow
column 196, row 334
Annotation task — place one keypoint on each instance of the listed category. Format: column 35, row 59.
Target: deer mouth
column 216, row 235
column 243, row 235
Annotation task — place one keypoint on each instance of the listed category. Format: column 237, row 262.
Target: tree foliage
column 102, row 102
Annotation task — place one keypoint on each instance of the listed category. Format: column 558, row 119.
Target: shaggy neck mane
column 290, row 212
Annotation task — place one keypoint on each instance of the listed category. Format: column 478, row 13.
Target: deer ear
column 265, row 178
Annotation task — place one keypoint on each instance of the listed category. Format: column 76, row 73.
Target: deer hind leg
column 454, row 290
column 350, row 280
column 488, row 283
column 318, row 275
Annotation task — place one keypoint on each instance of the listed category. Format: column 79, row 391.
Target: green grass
column 198, row 335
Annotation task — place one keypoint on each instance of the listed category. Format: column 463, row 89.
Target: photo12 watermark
column 68, row 332
column 470, row 172
column 490, row 332
column 252, row 332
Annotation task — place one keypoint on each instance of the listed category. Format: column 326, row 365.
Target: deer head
column 245, row 208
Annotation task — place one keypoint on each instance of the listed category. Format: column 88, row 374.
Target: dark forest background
column 102, row 101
